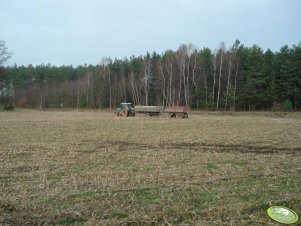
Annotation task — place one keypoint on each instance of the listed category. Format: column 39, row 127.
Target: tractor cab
column 126, row 106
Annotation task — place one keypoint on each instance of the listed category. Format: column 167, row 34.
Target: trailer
column 126, row 110
column 149, row 110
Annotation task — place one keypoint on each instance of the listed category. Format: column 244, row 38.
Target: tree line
column 237, row 78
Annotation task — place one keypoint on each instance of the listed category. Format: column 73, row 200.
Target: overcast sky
column 83, row 31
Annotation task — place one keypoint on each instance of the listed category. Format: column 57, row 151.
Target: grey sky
column 83, row 31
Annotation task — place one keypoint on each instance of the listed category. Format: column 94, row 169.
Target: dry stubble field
column 89, row 168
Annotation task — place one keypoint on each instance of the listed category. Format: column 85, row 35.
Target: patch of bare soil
column 124, row 146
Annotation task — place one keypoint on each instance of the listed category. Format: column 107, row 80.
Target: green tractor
column 125, row 110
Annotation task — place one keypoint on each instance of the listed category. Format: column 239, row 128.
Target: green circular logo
column 282, row 215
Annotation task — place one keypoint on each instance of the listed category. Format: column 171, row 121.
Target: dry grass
column 89, row 168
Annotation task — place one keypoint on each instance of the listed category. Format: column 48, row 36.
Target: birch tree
column 228, row 79
column 106, row 63
column 221, row 55
column 235, row 49
column 4, row 54
column 214, row 62
column 183, row 60
column 146, row 79
column 5, row 88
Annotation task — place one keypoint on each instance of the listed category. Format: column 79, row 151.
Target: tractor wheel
column 125, row 113
column 116, row 114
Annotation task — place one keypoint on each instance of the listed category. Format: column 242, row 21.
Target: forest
column 236, row 78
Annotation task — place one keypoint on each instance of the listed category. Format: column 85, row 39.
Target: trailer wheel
column 172, row 115
column 125, row 113
column 185, row 115
column 116, row 114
